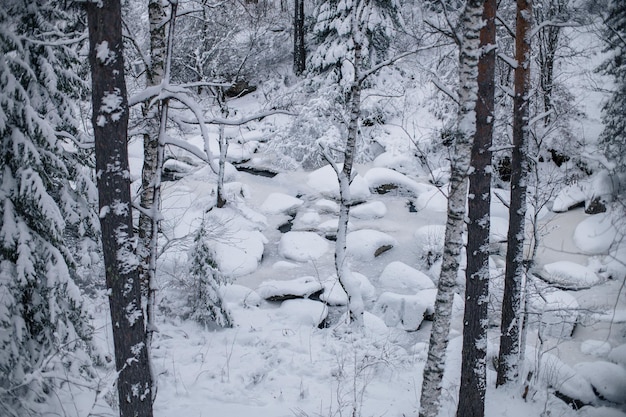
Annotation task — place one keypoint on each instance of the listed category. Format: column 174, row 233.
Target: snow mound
column 433, row 200
column 307, row 220
column 324, row 181
column 333, row 293
column 429, row 241
column 599, row 348
column 368, row 211
column 240, row 295
column 302, row 312
column 589, row 411
column 327, row 206
column 569, row 275
column 562, row 377
column 558, row 313
column 276, row 203
column 618, row 355
column 401, row 278
column 241, row 253
column 302, row 246
column 430, row 295
column 608, row 379
column 569, row 197
column 302, row 287
column 366, row 244
column 595, row 234
column 400, row 310
column 384, row 180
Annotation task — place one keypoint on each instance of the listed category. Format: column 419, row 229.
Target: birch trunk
column 355, row 301
column 508, row 361
column 152, row 116
column 473, row 367
column 459, row 166
column 110, row 123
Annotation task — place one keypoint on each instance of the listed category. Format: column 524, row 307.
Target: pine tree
column 205, row 301
column 613, row 137
column 44, row 193
column 335, row 26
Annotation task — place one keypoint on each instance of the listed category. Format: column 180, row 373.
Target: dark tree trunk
column 473, row 369
column 515, row 271
column 299, row 51
column 110, row 123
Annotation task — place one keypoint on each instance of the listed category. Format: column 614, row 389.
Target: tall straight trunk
column 508, row 361
column 152, row 118
column 347, row 281
column 299, row 51
column 110, row 123
column 473, row 368
column 455, row 224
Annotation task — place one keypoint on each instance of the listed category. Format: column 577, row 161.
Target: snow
column 280, row 203
column 365, row 244
column 369, row 211
column 302, row 287
column 433, row 200
column 598, row 348
column 558, row 313
column 302, row 246
column 569, row 275
column 401, row 310
column 302, row 312
column 568, row 197
column 608, row 379
column 379, row 178
column 618, row 355
column 401, row 278
column 596, row 234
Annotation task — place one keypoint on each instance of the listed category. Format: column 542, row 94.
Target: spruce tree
column 43, row 194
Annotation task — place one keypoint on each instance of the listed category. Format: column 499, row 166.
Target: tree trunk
column 459, row 166
column 514, row 274
column 152, row 118
column 348, row 283
column 110, row 123
column 473, row 368
column 299, row 51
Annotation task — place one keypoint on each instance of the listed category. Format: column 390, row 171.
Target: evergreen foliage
column 44, row 192
column 204, row 301
column 613, row 138
column 335, row 28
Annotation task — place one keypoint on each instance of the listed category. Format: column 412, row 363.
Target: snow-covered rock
column 618, row 355
column 599, row 348
column 324, row 181
column 370, row 210
column 569, row 275
column 302, row 287
column 303, row 312
column 433, row 200
column 571, row 196
column 429, row 241
column 401, row 278
column 595, row 234
column 558, row 312
column 240, row 295
column 590, row 411
column 240, row 252
column 366, row 244
column 325, row 206
column 276, row 203
column 302, row 246
column 306, row 220
column 608, row 379
column 401, row 310
column 384, row 180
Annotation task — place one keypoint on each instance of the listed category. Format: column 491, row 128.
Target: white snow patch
column 302, row 312
column 607, row 378
column 618, row 355
column 364, row 244
column 368, row 211
column 280, row 203
column 570, row 275
column 401, row 278
column 599, row 348
column 302, row 287
column 378, row 178
column 302, row 246
column 595, row 234
column 570, row 196
column 433, row 200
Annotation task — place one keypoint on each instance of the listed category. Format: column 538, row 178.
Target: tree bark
column 459, row 166
column 299, row 51
column 110, row 123
column 473, row 368
column 508, row 360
